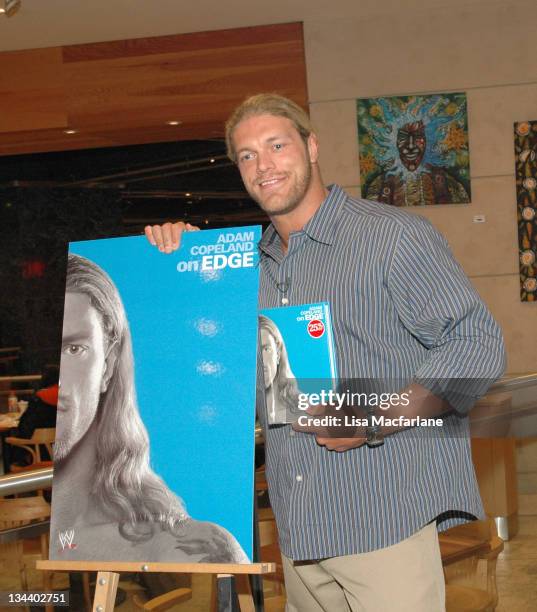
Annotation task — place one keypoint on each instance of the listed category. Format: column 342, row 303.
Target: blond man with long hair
column 357, row 518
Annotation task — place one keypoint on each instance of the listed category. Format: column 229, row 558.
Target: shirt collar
column 321, row 227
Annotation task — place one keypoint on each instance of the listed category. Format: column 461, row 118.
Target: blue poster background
column 312, row 360
column 194, row 336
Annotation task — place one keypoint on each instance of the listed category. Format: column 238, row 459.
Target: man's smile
column 268, row 183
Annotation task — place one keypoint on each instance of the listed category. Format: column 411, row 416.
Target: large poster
column 414, row 149
column 526, row 195
column 154, row 448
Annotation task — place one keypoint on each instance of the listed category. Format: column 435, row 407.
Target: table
column 454, row 548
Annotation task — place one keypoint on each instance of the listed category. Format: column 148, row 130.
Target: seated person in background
column 41, row 412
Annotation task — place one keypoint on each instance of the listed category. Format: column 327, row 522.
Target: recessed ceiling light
column 188, row 194
column 69, row 131
column 174, row 122
column 212, row 160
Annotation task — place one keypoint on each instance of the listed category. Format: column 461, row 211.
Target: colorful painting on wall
column 526, row 196
column 414, row 149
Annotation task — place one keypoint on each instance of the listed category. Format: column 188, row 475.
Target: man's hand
column 330, row 430
column 344, row 428
column 167, row 237
column 340, row 444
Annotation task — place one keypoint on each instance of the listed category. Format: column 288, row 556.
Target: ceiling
column 95, row 98
column 157, row 181
column 49, row 23
column 192, row 181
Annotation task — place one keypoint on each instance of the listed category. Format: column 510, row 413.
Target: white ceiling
column 49, row 23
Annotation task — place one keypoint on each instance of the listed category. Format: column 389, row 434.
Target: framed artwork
column 526, row 196
column 154, row 451
column 414, row 149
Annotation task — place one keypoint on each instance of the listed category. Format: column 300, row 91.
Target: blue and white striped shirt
column 402, row 308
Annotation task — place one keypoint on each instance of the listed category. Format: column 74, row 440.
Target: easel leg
column 244, row 593
column 105, row 591
column 226, row 593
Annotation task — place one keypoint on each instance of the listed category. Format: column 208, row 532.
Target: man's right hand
column 167, row 237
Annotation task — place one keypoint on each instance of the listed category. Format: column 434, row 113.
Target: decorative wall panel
column 526, row 195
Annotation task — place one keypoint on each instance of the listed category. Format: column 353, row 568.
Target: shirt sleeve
column 438, row 305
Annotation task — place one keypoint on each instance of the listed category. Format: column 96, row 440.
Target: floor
column 516, row 571
column 516, row 576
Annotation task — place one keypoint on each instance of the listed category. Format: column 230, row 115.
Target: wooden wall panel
column 32, row 90
column 124, row 92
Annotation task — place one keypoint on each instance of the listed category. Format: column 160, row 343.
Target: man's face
column 82, row 369
column 274, row 162
column 411, row 144
column 270, row 357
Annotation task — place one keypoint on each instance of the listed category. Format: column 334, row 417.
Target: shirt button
column 292, row 432
column 298, row 477
column 285, row 301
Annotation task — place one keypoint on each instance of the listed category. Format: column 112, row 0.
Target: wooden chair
column 43, row 436
column 16, row 513
column 471, row 583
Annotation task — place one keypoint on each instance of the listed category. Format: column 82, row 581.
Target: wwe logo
column 66, row 539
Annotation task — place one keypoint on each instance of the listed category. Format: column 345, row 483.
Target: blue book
column 156, row 417
column 297, row 346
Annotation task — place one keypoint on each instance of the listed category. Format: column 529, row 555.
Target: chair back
column 45, row 436
column 16, row 513
column 42, row 436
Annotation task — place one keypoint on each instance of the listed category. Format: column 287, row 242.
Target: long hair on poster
column 154, row 439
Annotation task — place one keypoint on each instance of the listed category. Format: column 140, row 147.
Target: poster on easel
column 154, row 447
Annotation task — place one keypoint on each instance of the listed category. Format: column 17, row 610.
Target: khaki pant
column 406, row 577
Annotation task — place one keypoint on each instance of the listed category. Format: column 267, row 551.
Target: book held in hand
column 297, row 346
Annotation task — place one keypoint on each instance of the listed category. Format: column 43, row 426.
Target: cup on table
column 22, row 405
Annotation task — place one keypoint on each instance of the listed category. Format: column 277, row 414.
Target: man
column 108, row 504
column 357, row 526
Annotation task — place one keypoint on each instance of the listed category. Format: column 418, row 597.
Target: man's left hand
column 333, row 434
column 340, row 444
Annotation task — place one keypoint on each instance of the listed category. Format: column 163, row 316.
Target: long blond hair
column 124, row 483
column 285, row 383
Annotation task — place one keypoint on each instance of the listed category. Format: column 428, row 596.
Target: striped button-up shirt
column 402, row 309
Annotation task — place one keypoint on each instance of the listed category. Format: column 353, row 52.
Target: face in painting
column 82, row 370
column 274, row 162
column 271, row 357
column 411, row 144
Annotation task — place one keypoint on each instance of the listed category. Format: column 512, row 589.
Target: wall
column 484, row 48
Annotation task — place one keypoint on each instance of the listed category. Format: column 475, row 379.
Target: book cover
column 154, row 448
column 297, row 347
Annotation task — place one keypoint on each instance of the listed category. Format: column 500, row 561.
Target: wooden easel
column 108, row 577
